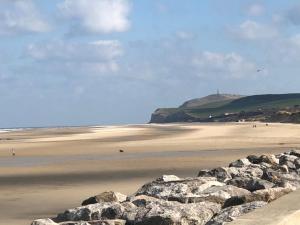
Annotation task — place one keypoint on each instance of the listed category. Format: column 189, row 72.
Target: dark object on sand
column 121, row 150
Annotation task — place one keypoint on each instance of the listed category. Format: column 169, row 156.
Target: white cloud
column 97, row 16
column 177, row 63
column 287, row 51
column 185, row 35
column 20, row 16
column 252, row 30
column 295, row 40
column 230, row 65
column 255, row 9
column 94, row 57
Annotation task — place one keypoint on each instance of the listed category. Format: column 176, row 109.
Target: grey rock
column 281, row 179
column 291, row 180
column 218, row 194
column 221, row 173
column 179, row 191
column 240, row 163
column 108, row 196
column 98, row 211
column 270, row 159
column 270, row 194
column 171, row 213
column 295, row 152
column 224, row 174
column 266, row 195
column 251, row 184
column 231, row 213
column 129, row 212
column 284, row 168
column 254, row 159
column 250, row 171
column 297, row 163
column 142, row 200
column 288, row 160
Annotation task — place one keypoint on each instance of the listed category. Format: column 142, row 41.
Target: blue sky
column 78, row 62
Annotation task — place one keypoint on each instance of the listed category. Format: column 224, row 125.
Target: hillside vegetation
column 222, row 108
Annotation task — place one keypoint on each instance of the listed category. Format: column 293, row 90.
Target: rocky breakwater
column 215, row 197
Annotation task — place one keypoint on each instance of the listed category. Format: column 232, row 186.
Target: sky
column 100, row 62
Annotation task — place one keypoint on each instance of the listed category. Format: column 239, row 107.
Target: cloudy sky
column 78, row 62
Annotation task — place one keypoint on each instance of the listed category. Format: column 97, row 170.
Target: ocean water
column 11, row 129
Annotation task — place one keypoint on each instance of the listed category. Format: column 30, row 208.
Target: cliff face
column 168, row 117
column 231, row 108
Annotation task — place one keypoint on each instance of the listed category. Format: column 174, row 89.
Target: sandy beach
column 56, row 168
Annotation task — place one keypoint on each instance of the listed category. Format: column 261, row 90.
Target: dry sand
column 56, row 168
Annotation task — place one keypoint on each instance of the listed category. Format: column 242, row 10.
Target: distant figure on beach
column 121, row 150
column 13, row 153
column 267, row 124
column 254, row 126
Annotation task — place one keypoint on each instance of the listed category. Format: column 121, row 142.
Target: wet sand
column 56, row 168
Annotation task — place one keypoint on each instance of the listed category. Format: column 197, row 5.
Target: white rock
column 168, row 178
column 44, row 222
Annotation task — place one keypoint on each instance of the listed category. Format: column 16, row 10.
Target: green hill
column 210, row 100
column 227, row 108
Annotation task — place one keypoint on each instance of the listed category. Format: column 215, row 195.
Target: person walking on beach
column 13, row 153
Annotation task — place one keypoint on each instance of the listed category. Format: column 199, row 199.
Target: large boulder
column 266, row 195
column 254, row 159
column 281, row 179
column 297, row 163
column 107, row 196
column 180, row 191
column 129, row 212
column 250, row 184
column 98, row 211
column 270, row 159
column 231, row 213
column 217, row 194
column 270, row 194
column 250, row 171
column 295, row 152
column 240, row 163
column 222, row 174
column 171, row 213
column 288, row 160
